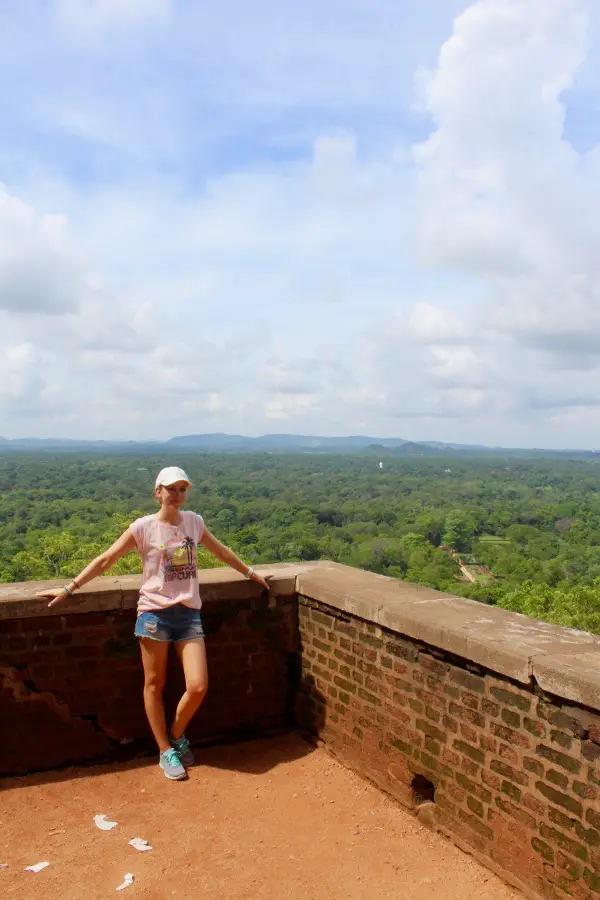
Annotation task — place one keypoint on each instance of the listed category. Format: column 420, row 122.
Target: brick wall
column 71, row 684
column 516, row 779
column 485, row 723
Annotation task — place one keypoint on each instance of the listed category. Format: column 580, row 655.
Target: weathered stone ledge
column 563, row 662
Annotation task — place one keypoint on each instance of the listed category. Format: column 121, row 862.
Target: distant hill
column 283, row 443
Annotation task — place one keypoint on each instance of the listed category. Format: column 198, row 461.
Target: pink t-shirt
column 169, row 556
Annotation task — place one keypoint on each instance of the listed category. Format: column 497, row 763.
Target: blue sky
column 345, row 216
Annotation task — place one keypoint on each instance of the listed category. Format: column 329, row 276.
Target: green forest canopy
column 534, row 523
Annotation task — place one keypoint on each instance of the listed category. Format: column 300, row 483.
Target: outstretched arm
column 224, row 554
column 121, row 547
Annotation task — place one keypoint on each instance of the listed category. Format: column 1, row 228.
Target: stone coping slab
column 564, row 662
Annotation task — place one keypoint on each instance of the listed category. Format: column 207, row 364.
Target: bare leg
column 193, row 659
column 154, row 660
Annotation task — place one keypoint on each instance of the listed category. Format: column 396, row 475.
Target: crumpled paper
column 140, row 844
column 127, row 882
column 37, row 867
column 103, row 823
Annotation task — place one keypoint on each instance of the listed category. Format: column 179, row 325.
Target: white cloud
column 203, row 278
column 38, row 270
column 89, row 16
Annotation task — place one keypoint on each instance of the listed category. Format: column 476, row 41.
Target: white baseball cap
column 170, row 475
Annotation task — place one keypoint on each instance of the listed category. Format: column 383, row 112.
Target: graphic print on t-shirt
column 178, row 559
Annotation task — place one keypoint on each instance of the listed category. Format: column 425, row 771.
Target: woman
column 168, row 607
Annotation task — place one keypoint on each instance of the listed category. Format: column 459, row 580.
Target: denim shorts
column 172, row 624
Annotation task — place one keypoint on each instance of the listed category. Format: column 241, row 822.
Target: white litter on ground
column 127, row 883
column 37, row 868
column 103, row 823
column 3, row 865
column 140, row 844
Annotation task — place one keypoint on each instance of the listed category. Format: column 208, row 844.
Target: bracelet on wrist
column 250, row 572
column 67, row 591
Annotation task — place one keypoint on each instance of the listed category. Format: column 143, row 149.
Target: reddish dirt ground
column 265, row 820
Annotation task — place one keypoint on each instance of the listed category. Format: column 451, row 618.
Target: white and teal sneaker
column 171, row 765
column 182, row 746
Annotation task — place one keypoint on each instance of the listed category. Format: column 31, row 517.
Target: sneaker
column 171, row 765
column 182, row 745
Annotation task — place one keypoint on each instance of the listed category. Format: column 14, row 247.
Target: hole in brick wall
column 423, row 790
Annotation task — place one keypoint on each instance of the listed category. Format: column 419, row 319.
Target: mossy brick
column 471, row 701
column 511, row 790
column 510, row 736
column 322, row 618
column 471, row 787
column 416, row 706
column 545, row 709
column 502, row 768
column 560, row 799
column 515, row 812
column 590, row 751
column 588, row 836
column 368, row 697
column 508, row 698
column 507, row 754
column 472, row 752
column 535, row 727
column 472, row 683
column 435, row 685
column 450, row 757
column 565, row 843
column 345, row 628
column 573, row 869
column 468, row 733
column 476, row 824
column 451, row 691
column 489, row 708
column 433, row 714
column 465, row 714
column 386, row 662
column 585, row 790
column 558, row 758
column 469, row 766
column 593, row 818
column 592, row 881
column 347, row 658
column 535, row 805
column 430, row 664
column 402, row 650
column 511, row 718
column 561, row 738
column 432, row 746
column 476, row 806
column 557, row 778
column 435, row 765
column 544, row 849
column 488, row 743
column 450, row 724
column 344, row 698
column 402, row 746
column 345, row 671
column 567, row 723
column 344, row 684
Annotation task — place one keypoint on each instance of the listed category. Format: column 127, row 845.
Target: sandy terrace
column 264, row 820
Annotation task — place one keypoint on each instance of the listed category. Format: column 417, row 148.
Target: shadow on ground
column 263, row 754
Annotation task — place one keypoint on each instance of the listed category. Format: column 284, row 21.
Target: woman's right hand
column 55, row 595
